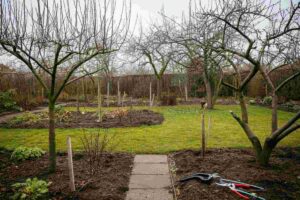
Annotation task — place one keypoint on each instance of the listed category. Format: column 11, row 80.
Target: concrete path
column 150, row 179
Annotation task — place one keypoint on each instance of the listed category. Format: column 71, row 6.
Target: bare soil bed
column 281, row 179
column 133, row 118
column 111, row 183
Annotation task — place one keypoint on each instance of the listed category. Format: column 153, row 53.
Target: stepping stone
column 150, row 168
column 149, row 181
column 150, row 194
column 150, row 159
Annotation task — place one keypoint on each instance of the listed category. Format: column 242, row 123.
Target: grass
column 180, row 130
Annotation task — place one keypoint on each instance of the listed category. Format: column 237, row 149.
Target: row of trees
column 73, row 37
column 227, row 37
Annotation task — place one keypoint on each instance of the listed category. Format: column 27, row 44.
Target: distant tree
column 151, row 48
column 59, row 37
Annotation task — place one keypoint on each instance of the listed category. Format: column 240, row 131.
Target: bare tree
column 58, row 37
column 193, row 38
column 250, row 28
column 151, row 48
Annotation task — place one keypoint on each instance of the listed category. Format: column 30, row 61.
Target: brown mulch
column 133, row 118
column 281, row 179
column 111, row 183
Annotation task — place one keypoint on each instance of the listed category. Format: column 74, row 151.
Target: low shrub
column 26, row 153
column 27, row 117
column 7, row 102
column 32, row 189
column 267, row 101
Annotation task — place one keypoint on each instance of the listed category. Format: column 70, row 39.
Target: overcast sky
column 150, row 8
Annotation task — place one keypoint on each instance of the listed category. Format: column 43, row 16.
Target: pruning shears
column 235, row 186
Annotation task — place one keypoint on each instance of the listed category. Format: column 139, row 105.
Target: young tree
column 58, row 37
column 246, row 38
column 152, row 49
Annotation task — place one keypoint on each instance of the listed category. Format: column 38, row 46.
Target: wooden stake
column 203, row 135
column 70, row 164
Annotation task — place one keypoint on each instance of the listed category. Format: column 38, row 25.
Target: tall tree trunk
column 158, row 88
column 99, row 99
column 274, row 112
column 77, row 97
column 119, row 93
column 107, row 96
column 52, row 143
column 209, row 93
column 243, row 107
column 186, row 92
column 150, row 94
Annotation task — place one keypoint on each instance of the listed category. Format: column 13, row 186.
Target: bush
column 26, row 153
column 6, row 101
column 267, row 101
column 32, row 189
column 25, row 117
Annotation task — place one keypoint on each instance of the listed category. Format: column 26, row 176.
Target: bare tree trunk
column 150, row 94
column 243, row 108
column 274, row 112
column 158, row 88
column 77, row 97
column 52, row 143
column 186, row 92
column 107, row 96
column 84, row 90
column 119, row 94
column 99, row 99
column 209, row 94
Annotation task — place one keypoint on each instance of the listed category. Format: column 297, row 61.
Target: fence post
column 70, row 164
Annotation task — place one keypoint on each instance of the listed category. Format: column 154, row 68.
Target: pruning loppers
column 238, row 188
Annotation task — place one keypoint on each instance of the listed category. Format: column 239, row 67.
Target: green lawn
column 180, row 130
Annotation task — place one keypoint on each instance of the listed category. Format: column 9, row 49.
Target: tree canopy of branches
column 265, row 37
column 59, row 38
column 151, row 48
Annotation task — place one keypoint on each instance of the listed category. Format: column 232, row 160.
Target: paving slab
column 149, row 194
column 149, row 181
column 150, row 159
column 150, row 168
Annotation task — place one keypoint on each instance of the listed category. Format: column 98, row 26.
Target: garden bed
column 111, row 183
column 130, row 118
column 281, row 180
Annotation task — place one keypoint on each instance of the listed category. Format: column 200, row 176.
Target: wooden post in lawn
column 203, row 132
column 70, row 164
